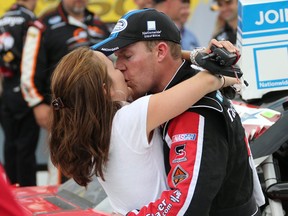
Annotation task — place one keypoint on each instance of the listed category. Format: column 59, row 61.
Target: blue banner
column 263, row 17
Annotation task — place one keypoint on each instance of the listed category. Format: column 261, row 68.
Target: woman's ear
column 104, row 88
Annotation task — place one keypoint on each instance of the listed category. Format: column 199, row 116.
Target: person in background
column 143, row 3
column 207, row 158
column 21, row 131
column 55, row 34
column 189, row 40
column 227, row 21
column 179, row 11
column 172, row 8
column 95, row 131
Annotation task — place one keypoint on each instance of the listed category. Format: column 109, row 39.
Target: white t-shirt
column 135, row 173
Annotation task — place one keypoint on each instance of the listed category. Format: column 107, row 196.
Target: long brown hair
column 81, row 127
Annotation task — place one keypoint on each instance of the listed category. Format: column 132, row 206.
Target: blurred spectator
column 226, row 24
column 171, row 8
column 188, row 39
column 56, row 33
column 21, row 131
column 178, row 11
column 143, row 3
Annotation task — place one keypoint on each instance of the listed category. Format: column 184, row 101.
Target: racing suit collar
column 183, row 72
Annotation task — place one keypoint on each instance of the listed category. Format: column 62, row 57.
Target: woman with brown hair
column 95, row 131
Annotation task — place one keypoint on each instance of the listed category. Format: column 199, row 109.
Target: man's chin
column 134, row 97
column 78, row 10
column 230, row 18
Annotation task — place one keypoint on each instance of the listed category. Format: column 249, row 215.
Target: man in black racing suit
column 208, row 157
column 20, row 128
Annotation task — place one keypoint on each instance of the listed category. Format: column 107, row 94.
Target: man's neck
column 233, row 23
column 27, row 4
column 79, row 17
column 170, row 73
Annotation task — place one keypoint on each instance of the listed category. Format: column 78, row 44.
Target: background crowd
column 33, row 46
column 25, row 70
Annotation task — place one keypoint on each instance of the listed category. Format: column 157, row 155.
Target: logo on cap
column 120, row 26
column 151, row 25
column 151, row 31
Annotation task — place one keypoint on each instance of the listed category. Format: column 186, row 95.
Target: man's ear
column 162, row 51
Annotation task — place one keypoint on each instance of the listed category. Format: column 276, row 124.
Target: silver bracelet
column 193, row 54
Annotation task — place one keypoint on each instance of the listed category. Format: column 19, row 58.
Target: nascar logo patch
column 183, row 137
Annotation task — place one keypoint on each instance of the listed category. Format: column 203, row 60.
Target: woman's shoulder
column 142, row 101
column 133, row 110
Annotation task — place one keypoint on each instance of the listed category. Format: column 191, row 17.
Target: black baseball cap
column 139, row 25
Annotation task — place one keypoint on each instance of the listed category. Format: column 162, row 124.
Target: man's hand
column 226, row 44
column 42, row 114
